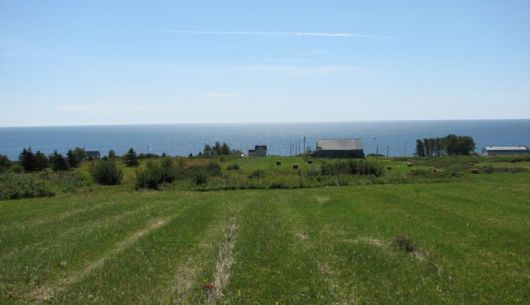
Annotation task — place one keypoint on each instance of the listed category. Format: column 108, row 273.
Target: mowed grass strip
column 51, row 227
column 273, row 266
column 307, row 246
column 147, row 271
column 66, row 255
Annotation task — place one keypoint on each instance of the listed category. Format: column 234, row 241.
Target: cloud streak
column 277, row 34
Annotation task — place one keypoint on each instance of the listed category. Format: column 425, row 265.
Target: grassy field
column 469, row 244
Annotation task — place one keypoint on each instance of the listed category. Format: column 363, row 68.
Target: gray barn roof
column 506, row 148
column 349, row 144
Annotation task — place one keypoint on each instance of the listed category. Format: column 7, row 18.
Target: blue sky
column 121, row 62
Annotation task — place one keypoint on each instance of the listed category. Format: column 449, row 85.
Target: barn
column 258, row 151
column 505, row 150
column 333, row 148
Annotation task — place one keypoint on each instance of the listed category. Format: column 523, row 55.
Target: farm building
column 505, row 150
column 92, row 154
column 351, row 148
column 258, row 151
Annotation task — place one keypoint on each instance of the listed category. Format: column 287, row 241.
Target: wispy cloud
column 278, row 34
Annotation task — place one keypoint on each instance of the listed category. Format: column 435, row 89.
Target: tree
column 420, row 149
column 27, row 159
column 130, row 159
column 4, row 163
column 112, row 154
column 75, row 156
column 225, row 149
column 58, row 162
column 106, row 172
column 41, row 161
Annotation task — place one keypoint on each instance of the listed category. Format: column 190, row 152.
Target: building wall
column 259, row 152
column 504, row 152
column 338, row 153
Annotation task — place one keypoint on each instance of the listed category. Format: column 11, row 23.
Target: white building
column 505, row 150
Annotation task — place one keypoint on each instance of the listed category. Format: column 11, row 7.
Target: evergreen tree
column 225, row 149
column 41, row 161
column 4, row 163
column 130, row 158
column 27, row 160
column 420, row 149
column 112, row 154
column 58, row 162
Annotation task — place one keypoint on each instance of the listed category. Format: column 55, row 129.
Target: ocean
column 398, row 137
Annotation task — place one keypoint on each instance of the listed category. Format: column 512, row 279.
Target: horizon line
column 260, row 122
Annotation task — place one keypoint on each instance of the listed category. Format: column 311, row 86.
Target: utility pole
column 387, row 150
column 304, row 146
column 377, row 149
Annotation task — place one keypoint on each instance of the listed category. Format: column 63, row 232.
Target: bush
column 199, row 177
column 257, row 174
column 403, row 243
column 150, row 177
column 233, row 167
column 106, row 172
column 17, row 186
column 352, row 167
column 168, row 169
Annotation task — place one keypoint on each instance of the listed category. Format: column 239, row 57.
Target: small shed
column 339, row 148
column 258, row 151
column 505, row 150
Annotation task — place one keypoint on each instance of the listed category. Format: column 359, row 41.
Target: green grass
column 331, row 245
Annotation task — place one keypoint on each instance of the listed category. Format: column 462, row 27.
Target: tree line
column 36, row 161
column 450, row 145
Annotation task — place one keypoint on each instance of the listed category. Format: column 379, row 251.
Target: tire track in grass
column 78, row 231
column 46, row 293
column 325, row 260
column 187, row 274
column 274, row 266
column 46, row 219
column 225, row 260
column 146, row 273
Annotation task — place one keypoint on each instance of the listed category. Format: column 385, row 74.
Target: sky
column 156, row 62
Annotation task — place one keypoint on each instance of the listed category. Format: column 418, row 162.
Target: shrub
column 199, row 177
column 168, row 169
column 17, row 186
column 75, row 156
column 403, row 243
column 257, row 174
column 106, row 172
column 150, row 177
column 352, row 167
column 214, row 169
column 233, row 167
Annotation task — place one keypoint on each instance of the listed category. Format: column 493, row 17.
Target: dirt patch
column 302, row 236
column 223, row 265
column 367, row 241
column 322, row 199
